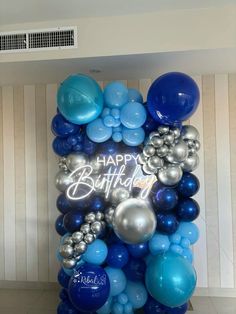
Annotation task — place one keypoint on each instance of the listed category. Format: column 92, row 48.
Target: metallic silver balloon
column 163, row 129
column 191, row 163
column 176, row 132
column 197, row 145
column 178, row 152
column 89, row 238
column 109, row 212
column 99, row 216
column 85, row 228
column 66, row 250
column 170, row 175
column 169, row 139
column 77, row 237
column 68, row 240
column 152, row 134
column 69, row 263
column 97, row 166
column 149, row 170
column 96, row 227
column 134, row 221
column 142, row 159
column 80, row 248
column 162, row 151
column 156, row 141
column 149, row 151
column 63, row 180
column 155, row 162
column 189, row 132
column 76, row 160
column 118, row 195
column 90, row 217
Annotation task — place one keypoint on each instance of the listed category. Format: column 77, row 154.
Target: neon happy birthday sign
column 118, row 171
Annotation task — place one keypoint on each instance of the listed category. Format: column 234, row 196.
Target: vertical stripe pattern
column 28, row 240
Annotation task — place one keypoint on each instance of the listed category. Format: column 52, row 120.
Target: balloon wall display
column 126, row 206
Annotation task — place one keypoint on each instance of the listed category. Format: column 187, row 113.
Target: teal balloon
column 170, row 279
column 117, row 280
column 98, row 132
column 189, row 230
column 80, row 99
column 133, row 137
column 115, row 95
column 136, row 293
column 133, row 115
column 96, row 252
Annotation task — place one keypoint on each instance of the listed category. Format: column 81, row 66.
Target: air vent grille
column 34, row 40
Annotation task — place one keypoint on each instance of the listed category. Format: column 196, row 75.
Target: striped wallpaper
column 28, row 240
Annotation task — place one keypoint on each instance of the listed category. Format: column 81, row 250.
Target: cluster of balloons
column 120, row 253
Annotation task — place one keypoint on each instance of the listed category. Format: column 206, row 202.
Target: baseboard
column 215, row 292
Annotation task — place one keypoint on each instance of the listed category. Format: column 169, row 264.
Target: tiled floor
column 45, row 302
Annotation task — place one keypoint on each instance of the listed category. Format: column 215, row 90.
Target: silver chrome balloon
column 80, row 248
column 90, row 217
column 191, row 163
column 155, row 162
column 89, row 238
column 118, row 195
column 169, row 139
column 63, row 180
column 96, row 227
column 163, row 129
column 85, row 228
column 77, row 236
column 170, row 175
column 178, row 152
column 162, row 151
column 189, row 132
column 134, row 221
column 149, row 151
column 109, row 212
column 69, row 263
column 76, row 160
column 99, row 216
column 97, row 166
column 149, row 170
column 142, row 159
column 66, row 250
column 68, row 240
column 156, row 141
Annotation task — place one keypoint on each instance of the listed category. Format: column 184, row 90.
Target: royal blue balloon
column 158, row 243
column 63, row 128
column 117, row 256
column 170, row 279
column 97, row 203
column 96, row 252
column 61, row 147
column 172, row 98
column 63, row 295
column 150, row 124
column 135, row 269
column 167, row 224
column 187, row 210
column 176, row 310
column 98, row 132
column 80, row 99
column 63, row 204
column 115, row 95
column 134, row 95
column 117, row 280
column 66, row 308
column 73, row 220
column 133, row 137
column 137, row 294
column 59, row 226
column 153, row 307
column 165, row 199
column 88, row 146
column 189, row 230
column 63, row 278
column 188, row 185
column 89, row 288
column 138, row 250
column 133, row 115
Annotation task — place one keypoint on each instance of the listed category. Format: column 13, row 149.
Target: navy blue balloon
column 113, row 239
column 135, row 269
column 188, row 185
column 59, row 226
column 117, row 256
column 63, row 295
column 89, row 288
column 63, row 278
column 88, row 146
column 61, row 147
column 153, row 307
column 73, row 220
column 167, row 224
column 172, row 98
column 165, row 199
column 109, row 148
column 150, row 124
column 66, row 307
column 187, row 210
column 63, row 204
column 97, row 203
column 63, row 128
column 176, row 310
column 138, row 250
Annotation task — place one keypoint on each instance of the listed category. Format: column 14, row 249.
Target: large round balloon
column 80, row 99
column 89, row 288
column 170, row 279
column 172, row 98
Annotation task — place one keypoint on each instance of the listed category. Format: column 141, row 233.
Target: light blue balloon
column 185, row 243
column 176, row 248
column 109, row 121
column 115, row 95
column 137, row 294
column 117, row 137
column 133, row 115
column 117, row 308
column 106, row 308
column 170, row 279
column 133, row 137
column 128, row 308
column 58, row 256
column 188, row 255
column 134, row 95
column 122, row 298
column 158, row 243
column 96, row 252
column 175, row 238
column 106, row 111
column 117, row 280
column 98, row 132
column 115, row 112
column 189, row 230
column 80, row 99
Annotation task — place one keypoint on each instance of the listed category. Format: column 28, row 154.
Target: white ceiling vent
column 40, row 39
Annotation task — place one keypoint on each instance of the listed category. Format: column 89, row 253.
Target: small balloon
column 59, row 226
column 165, row 199
column 98, row 132
column 187, row 210
column 96, row 252
column 135, row 269
column 63, row 180
column 133, row 115
column 189, row 230
column 133, row 137
column 134, row 95
column 191, row 163
column 63, row 205
column 170, row 175
column 137, row 294
column 139, row 250
column 158, row 243
column 115, row 95
column 73, row 220
column 63, row 128
column 117, row 256
column 76, row 160
column 188, row 185
column 167, row 224
column 117, row 280
column 189, row 132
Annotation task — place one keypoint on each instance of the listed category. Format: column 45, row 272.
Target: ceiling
column 120, row 67
column 24, row 11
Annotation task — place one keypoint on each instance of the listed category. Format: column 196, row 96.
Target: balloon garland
column 126, row 186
